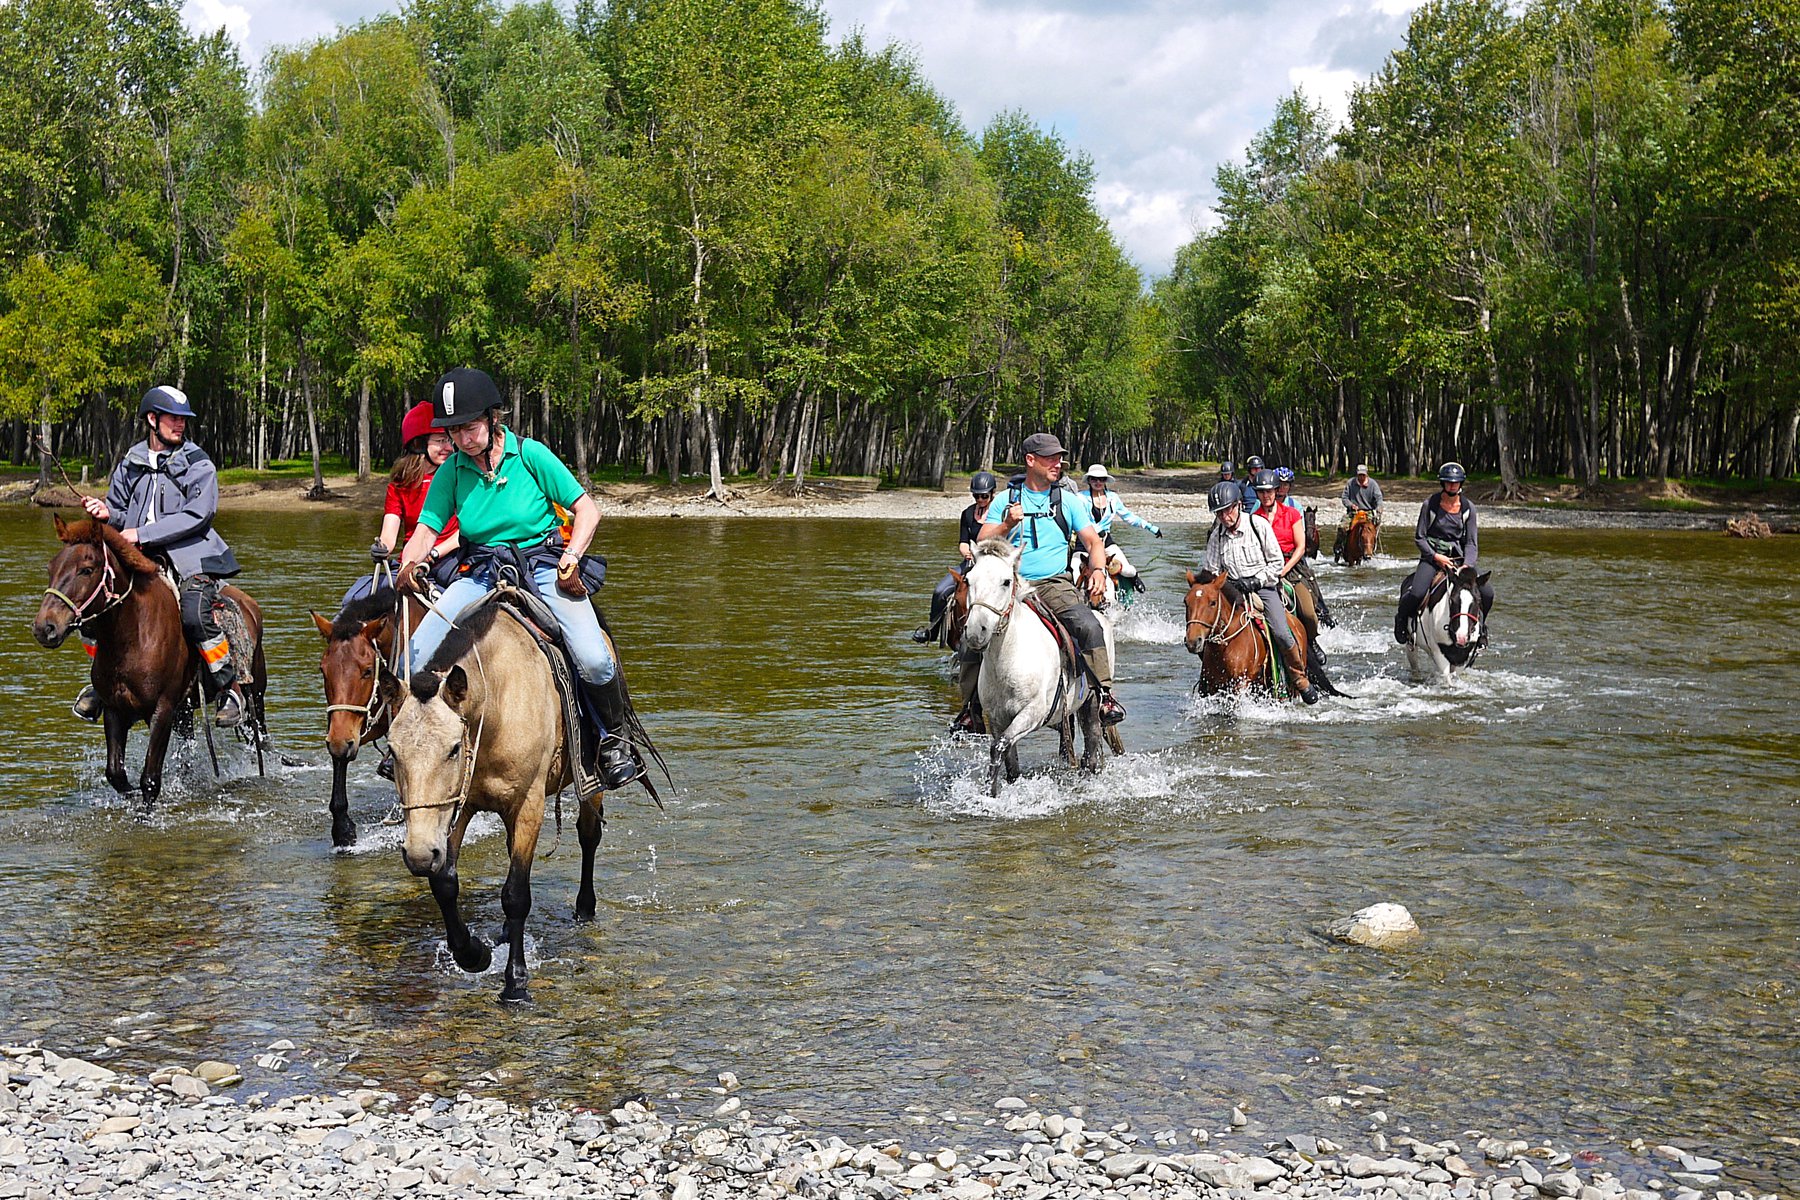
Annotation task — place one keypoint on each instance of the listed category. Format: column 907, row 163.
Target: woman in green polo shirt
column 503, row 490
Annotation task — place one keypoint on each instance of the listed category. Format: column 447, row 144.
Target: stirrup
column 1111, row 711
column 231, row 710
column 385, row 768
column 967, row 721
column 618, row 763
column 87, row 704
column 922, row 634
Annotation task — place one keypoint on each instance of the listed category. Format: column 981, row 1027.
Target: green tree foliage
column 695, row 235
column 1558, row 239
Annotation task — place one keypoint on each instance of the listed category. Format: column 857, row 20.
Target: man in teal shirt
column 1026, row 516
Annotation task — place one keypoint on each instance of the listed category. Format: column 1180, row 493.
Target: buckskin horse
column 1359, row 538
column 357, row 641
column 144, row 670
column 1234, row 651
column 1447, row 633
column 1026, row 681
column 472, row 734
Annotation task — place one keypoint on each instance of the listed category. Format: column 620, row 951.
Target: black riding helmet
column 1224, row 494
column 1226, row 468
column 165, row 399
column 462, row 395
column 1452, row 472
column 1253, row 464
column 983, row 484
column 1264, row 481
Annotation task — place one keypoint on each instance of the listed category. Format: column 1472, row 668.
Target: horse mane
column 993, row 547
column 86, row 529
column 359, row 612
column 458, row 642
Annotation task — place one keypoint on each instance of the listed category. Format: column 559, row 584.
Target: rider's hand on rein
column 568, row 577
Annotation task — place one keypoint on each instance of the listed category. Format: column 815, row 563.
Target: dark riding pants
column 941, row 595
column 1413, row 598
column 200, row 622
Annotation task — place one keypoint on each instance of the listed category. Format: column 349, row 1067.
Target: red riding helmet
column 416, row 423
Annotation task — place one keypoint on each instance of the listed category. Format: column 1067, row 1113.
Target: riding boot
column 969, row 720
column 1111, row 711
column 1403, row 619
column 1290, row 658
column 231, row 708
column 618, row 761
column 87, row 704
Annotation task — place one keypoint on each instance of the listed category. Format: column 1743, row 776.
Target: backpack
column 1015, row 494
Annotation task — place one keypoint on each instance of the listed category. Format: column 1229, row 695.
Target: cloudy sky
column 1158, row 92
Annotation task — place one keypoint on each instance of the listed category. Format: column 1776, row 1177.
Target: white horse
column 1023, row 684
column 1446, row 633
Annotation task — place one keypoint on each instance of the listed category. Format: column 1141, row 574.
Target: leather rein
column 104, row 593
column 1211, row 632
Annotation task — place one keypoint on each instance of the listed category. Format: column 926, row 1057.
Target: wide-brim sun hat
column 1098, row 471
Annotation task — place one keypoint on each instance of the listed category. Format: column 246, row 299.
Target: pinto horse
column 472, row 734
column 1358, row 538
column 1234, row 652
column 357, row 641
column 106, row 588
column 1447, row 633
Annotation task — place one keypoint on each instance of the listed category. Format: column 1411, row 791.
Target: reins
column 1211, row 633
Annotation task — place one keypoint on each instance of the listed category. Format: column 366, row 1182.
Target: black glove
column 379, row 551
column 1159, row 532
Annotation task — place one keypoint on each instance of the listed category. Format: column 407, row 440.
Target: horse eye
column 369, row 673
column 454, row 751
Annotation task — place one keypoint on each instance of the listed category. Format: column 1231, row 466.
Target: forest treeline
column 1562, row 238
column 691, row 235
column 704, row 237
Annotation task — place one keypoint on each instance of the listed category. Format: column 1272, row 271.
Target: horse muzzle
column 50, row 632
column 426, row 862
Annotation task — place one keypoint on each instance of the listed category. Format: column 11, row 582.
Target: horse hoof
column 584, row 913
column 516, row 995
column 475, row 958
column 343, row 836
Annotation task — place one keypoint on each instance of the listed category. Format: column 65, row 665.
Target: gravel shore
column 70, row 1127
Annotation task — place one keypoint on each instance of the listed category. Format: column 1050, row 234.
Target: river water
column 1597, row 827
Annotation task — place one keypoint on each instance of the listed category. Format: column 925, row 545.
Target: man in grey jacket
column 163, row 496
column 1361, row 494
column 1242, row 546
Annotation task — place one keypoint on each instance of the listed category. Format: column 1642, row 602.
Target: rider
column 504, row 490
column 422, row 451
column 1290, row 535
column 1107, row 505
column 1299, row 568
column 1247, row 486
column 1447, row 540
column 981, row 487
column 1046, row 520
column 163, row 496
column 1361, row 494
column 1242, row 545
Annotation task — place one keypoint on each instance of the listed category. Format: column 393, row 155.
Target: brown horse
column 143, row 668
column 1234, row 653
column 357, row 641
column 1359, row 538
column 477, row 732
column 1312, row 531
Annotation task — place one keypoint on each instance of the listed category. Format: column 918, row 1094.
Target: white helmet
column 1098, row 471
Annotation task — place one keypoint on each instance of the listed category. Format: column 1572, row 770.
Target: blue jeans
column 580, row 624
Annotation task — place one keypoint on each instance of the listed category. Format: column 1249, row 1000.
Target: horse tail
column 1315, row 662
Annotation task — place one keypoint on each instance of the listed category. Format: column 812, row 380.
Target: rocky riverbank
column 71, row 1127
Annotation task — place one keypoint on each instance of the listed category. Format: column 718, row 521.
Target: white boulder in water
column 1381, row 926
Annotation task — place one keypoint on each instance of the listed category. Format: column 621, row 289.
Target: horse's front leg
column 162, row 724
column 515, row 900
column 997, row 753
column 117, row 726
column 470, row 952
column 343, row 829
column 1090, row 734
column 590, row 823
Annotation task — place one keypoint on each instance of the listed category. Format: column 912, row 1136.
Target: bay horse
column 477, row 731
column 1311, row 516
column 1234, row 653
column 357, row 641
column 144, row 670
column 1359, row 539
column 1025, row 684
column 1447, row 633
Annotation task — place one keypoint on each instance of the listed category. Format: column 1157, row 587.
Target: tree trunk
column 362, row 433
column 312, row 434
column 1509, row 477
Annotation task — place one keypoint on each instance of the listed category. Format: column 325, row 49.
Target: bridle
column 1004, row 614
column 470, row 751
column 110, row 599
column 1211, row 629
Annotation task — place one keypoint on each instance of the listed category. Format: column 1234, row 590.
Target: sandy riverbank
column 74, row 1127
column 1162, row 496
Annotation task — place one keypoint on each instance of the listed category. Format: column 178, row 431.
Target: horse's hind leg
column 515, row 902
column 1065, row 741
column 590, row 822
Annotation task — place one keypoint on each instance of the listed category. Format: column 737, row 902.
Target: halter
column 1005, row 614
column 103, row 592
column 470, row 750
column 1212, row 635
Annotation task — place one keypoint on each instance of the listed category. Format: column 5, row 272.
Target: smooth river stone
column 1380, row 927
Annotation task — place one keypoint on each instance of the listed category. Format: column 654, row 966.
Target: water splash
column 1149, row 622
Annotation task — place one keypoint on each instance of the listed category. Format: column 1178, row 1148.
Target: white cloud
column 208, row 15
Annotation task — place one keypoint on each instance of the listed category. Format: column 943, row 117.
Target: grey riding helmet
column 983, row 484
column 1452, row 472
column 1253, row 464
column 1224, row 494
column 1227, row 468
column 1264, row 479
column 165, row 399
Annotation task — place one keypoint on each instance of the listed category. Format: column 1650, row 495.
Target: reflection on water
column 1596, row 826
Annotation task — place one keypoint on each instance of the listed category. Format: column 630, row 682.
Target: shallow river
column 1597, row 827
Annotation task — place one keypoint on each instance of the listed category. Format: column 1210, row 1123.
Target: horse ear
column 374, row 629
column 388, row 685
column 1481, row 579
column 1191, row 578
column 321, row 624
column 456, row 687
column 62, row 528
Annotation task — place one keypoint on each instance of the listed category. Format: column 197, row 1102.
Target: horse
column 1234, row 653
column 1311, row 517
column 1359, row 539
column 1024, row 683
column 357, row 641
column 112, row 592
column 1447, row 633
column 470, row 734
